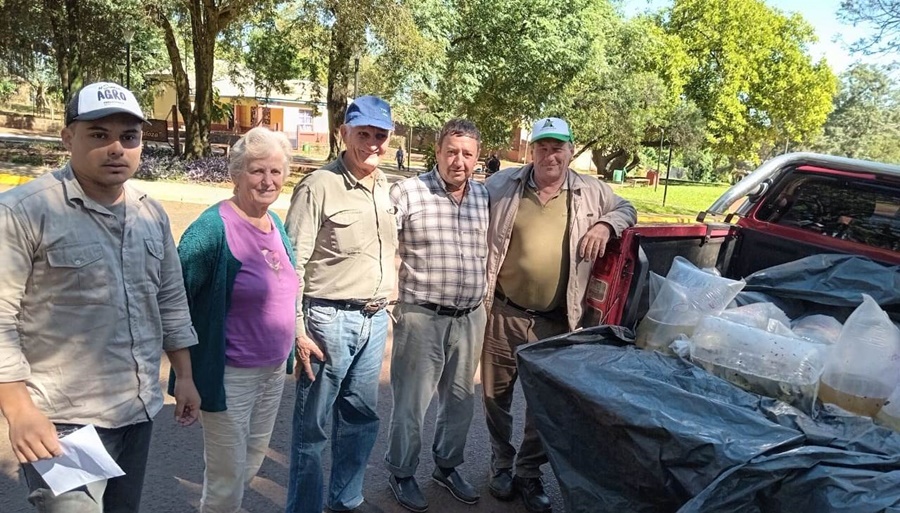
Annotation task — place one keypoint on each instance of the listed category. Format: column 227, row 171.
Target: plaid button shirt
column 443, row 244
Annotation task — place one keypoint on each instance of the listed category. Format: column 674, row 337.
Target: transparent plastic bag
column 863, row 368
column 823, row 329
column 757, row 315
column 889, row 414
column 784, row 367
column 679, row 301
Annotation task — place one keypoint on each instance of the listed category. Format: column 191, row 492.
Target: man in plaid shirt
column 442, row 218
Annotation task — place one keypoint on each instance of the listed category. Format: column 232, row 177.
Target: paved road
column 174, row 475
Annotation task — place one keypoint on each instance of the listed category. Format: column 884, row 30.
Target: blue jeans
column 129, row 447
column 346, row 388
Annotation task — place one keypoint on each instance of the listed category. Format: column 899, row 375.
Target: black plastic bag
column 629, row 430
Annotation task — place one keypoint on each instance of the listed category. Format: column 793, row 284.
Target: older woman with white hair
column 242, row 290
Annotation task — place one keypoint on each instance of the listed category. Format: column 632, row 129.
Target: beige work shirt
column 88, row 302
column 344, row 236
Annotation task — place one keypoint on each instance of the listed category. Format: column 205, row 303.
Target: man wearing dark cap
column 548, row 224
column 342, row 226
column 90, row 296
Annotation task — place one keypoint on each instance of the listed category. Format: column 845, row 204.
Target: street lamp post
column 129, row 37
column 356, row 76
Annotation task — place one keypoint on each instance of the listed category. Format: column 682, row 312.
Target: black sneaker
column 532, row 491
column 406, row 491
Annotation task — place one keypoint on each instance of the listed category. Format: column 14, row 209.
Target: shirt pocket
column 153, row 263
column 346, row 232
column 476, row 239
column 78, row 274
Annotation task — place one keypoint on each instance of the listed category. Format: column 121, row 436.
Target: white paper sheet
column 84, row 461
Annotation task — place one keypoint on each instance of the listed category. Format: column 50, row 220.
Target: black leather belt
column 450, row 312
column 555, row 315
column 367, row 306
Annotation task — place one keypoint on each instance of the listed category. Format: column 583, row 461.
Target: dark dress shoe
column 501, row 485
column 532, row 491
column 459, row 488
column 407, row 492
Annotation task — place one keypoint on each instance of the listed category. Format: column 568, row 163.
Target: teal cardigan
column 209, row 270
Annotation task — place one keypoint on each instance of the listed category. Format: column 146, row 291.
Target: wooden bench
column 643, row 182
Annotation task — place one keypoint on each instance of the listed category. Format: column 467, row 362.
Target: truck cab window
column 856, row 210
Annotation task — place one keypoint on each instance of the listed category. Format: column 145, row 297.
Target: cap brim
column 364, row 121
column 558, row 137
column 102, row 113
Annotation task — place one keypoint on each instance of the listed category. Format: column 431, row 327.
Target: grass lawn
column 680, row 199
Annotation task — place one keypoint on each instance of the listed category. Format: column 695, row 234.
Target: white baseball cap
column 102, row 99
column 551, row 128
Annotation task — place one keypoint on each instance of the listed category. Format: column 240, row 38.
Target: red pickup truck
column 793, row 206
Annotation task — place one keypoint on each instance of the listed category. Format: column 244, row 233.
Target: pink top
column 259, row 325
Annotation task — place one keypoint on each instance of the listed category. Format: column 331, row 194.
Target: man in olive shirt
column 342, row 226
column 91, row 294
column 548, row 224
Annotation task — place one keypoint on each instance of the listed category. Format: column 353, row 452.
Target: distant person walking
column 493, row 164
column 548, row 225
column 400, row 159
column 442, row 218
column 242, row 288
column 91, row 295
column 342, row 225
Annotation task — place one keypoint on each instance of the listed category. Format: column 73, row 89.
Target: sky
column 834, row 36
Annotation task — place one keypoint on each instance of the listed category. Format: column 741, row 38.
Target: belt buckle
column 373, row 307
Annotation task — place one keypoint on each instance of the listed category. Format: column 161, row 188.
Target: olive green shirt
column 344, row 236
column 533, row 275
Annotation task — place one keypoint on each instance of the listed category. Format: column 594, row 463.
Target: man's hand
column 32, row 435
column 593, row 244
column 187, row 402
column 306, row 349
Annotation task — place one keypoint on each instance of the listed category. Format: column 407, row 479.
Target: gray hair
column 258, row 143
column 459, row 127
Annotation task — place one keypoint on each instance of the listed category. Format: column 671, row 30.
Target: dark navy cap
column 369, row 111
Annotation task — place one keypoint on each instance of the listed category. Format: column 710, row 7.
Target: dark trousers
column 129, row 447
column 507, row 329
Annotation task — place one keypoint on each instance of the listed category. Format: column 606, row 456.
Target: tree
column 882, row 15
column 865, row 122
column 630, row 93
column 207, row 20
column 509, row 60
column 34, row 34
column 752, row 75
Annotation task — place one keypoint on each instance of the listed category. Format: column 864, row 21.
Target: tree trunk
column 204, row 28
column 179, row 75
column 604, row 160
column 63, row 19
column 338, row 83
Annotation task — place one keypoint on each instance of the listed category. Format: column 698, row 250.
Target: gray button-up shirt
column 88, row 302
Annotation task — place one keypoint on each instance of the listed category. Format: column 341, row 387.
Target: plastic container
column 770, row 364
column 863, row 368
column 618, row 175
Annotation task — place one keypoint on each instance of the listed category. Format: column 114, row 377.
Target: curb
column 14, row 180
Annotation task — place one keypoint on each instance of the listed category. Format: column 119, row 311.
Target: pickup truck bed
column 794, row 206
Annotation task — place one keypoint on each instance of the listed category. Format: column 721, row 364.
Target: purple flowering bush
column 160, row 163
column 207, row 169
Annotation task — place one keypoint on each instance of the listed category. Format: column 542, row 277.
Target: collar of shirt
column 74, row 191
column 351, row 180
column 533, row 184
column 435, row 177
